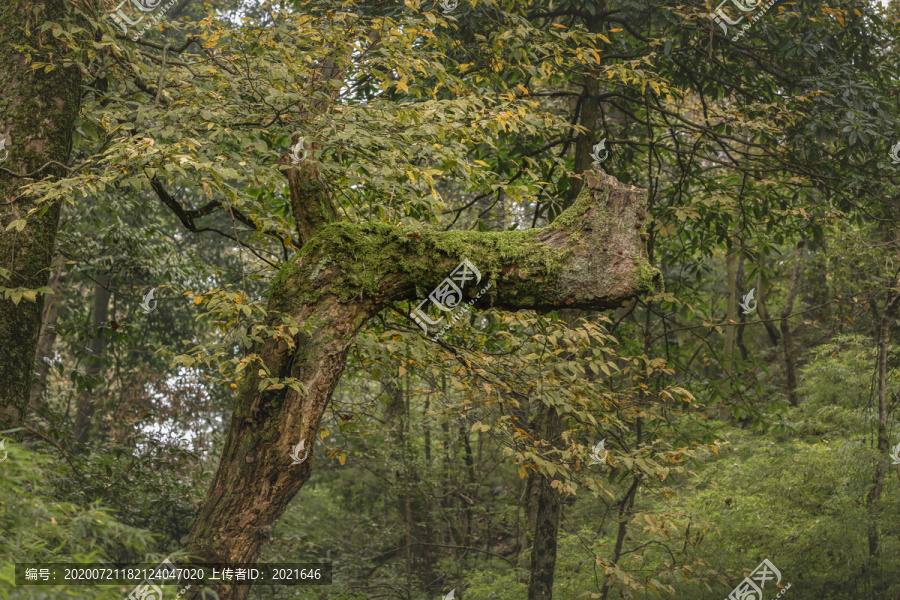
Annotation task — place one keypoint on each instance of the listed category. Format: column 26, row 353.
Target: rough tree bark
column 591, row 257
column 37, row 116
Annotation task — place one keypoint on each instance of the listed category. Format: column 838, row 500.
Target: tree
column 38, row 111
column 591, row 257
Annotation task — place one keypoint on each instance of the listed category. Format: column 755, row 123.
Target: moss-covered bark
column 37, row 115
column 591, row 257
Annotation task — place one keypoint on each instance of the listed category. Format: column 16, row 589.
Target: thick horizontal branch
column 592, row 257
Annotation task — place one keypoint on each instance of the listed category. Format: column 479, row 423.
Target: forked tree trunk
column 36, row 123
column 591, row 257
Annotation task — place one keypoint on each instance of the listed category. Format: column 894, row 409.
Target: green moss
column 648, row 279
column 583, row 203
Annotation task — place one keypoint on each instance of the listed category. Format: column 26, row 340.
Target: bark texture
column 37, row 115
column 591, row 257
column 546, row 527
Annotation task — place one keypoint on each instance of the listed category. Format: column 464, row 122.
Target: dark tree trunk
column 739, row 339
column 546, row 527
column 763, row 311
column 787, row 336
column 38, row 116
column 591, row 257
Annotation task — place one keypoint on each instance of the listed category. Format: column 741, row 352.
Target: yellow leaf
column 616, row 30
column 604, row 38
column 198, row 299
column 402, row 371
column 323, row 433
column 522, row 473
column 342, row 459
column 431, row 18
column 19, row 224
column 238, row 299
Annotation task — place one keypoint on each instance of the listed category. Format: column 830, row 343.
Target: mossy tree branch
column 591, row 257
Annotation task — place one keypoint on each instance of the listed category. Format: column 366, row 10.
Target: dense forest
column 454, row 299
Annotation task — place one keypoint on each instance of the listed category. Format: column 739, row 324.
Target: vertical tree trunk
column 740, row 285
column 730, row 302
column 786, row 334
column 884, row 338
column 96, row 344
column 342, row 277
column 763, row 311
column 38, row 116
column 625, row 508
column 546, row 529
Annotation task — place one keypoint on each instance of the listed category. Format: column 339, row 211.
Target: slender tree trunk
column 546, row 530
column 884, row 338
column 625, row 508
column 36, row 123
column 742, row 317
column 96, row 344
column 730, row 302
column 549, row 425
column 787, row 336
column 591, row 257
column 763, row 311
column 589, row 105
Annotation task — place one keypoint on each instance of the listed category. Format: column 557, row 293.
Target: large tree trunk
column 591, row 257
column 39, row 110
